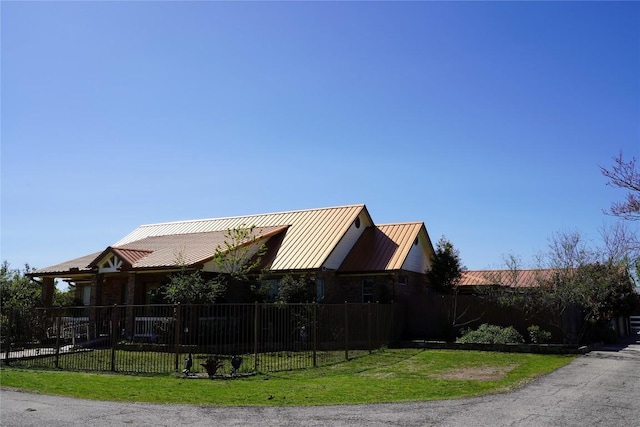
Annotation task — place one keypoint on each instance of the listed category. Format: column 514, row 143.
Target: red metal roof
column 158, row 251
column 382, row 248
column 187, row 249
column 131, row 256
column 512, row 278
column 74, row 265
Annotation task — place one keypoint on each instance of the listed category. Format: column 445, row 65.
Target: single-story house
column 474, row 281
column 348, row 255
column 512, row 278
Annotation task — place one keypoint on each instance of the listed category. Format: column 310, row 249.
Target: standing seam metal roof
column 511, row 278
column 311, row 235
column 192, row 248
column 381, row 248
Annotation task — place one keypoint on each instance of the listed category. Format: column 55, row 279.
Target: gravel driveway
column 600, row 388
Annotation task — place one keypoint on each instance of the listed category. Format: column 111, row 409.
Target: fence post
column 369, row 325
column 58, row 329
column 346, row 331
column 379, row 324
column 392, row 332
column 256, row 325
column 177, row 315
column 314, row 308
column 114, row 335
column 9, row 337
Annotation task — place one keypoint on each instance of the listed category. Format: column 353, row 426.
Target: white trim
column 111, row 264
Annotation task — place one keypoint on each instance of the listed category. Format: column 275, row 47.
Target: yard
column 384, row 376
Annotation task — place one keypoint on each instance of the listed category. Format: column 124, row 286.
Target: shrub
column 491, row 334
column 294, row 290
column 537, row 335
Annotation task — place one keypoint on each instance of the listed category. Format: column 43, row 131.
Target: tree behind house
column 624, row 174
column 444, row 276
column 446, row 267
column 17, row 290
column 236, row 260
column 19, row 296
column 294, row 289
column 578, row 289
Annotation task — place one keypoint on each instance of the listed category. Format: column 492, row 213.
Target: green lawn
column 385, row 376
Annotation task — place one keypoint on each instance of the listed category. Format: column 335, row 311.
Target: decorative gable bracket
column 112, row 260
column 111, row 264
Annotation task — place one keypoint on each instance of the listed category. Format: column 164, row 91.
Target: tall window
column 86, row 295
column 368, row 287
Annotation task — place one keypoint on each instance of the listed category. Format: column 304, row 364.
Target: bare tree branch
column 625, row 175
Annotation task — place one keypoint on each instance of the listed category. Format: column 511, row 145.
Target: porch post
column 96, row 289
column 48, row 288
column 95, row 300
column 129, row 301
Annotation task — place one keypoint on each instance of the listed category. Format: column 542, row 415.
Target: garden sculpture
column 211, row 365
column 188, row 364
column 236, row 361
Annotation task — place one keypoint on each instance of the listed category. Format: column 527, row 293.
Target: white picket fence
column 148, row 328
column 70, row 328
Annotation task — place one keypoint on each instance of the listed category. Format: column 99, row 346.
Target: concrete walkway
column 600, row 388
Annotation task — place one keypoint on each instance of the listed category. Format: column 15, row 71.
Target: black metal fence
column 157, row 338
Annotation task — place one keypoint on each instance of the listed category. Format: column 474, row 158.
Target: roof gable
column 383, row 248
column 115, row 259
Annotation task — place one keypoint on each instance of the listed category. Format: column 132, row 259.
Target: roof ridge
column 250, row 215
column 121, row 248
column 400, row 223
column 510, row 269
column 257, row 227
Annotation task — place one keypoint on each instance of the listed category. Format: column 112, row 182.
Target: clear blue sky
column 488, row 121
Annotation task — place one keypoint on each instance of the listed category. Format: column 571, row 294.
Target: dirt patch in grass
column 477, row 373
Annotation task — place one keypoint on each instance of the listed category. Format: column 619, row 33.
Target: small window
column 357, row 222
column 154, row 295
column 403, row 280
column 368, row 288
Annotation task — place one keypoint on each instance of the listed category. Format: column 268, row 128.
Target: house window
column 86, row 295
column 368, row 287
column 403, row 280
column 153, row 294
column 319, row 289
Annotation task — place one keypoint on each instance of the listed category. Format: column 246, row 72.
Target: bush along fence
column 158, row 338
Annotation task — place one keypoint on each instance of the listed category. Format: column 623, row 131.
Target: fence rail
column 157, row 338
